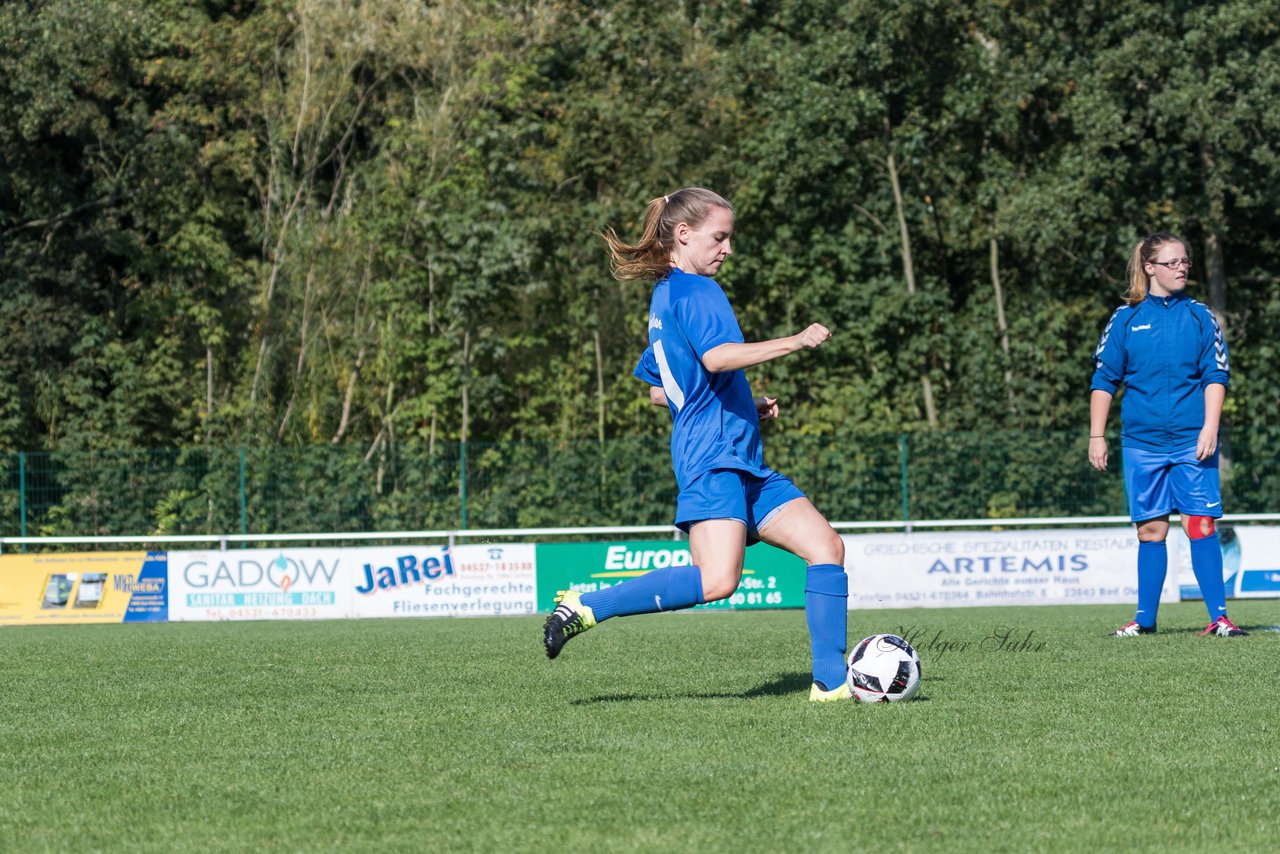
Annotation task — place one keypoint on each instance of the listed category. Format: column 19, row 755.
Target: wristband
column 1097, row 437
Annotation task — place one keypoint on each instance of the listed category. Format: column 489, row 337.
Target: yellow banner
column 98, row 587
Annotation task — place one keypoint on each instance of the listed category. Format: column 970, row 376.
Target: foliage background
column 301, row 223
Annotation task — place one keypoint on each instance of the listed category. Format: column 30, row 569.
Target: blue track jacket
column 1164, row 350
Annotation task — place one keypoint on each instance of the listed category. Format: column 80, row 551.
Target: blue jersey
column 714, row 420
column 1164, row 350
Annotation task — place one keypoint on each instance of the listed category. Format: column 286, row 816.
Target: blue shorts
column 734, row 494
column 1160, row 482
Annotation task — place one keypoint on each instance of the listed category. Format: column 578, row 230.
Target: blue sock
column 668, row 589
column 1206, row 563
column 1153, row 563
column 826, row 610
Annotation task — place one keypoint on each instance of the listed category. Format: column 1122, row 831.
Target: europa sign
column 771, row 577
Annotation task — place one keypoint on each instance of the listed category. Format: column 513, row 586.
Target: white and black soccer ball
column 883, row 669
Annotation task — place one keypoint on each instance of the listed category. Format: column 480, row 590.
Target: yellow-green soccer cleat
column 569, row 618
column 817, row 695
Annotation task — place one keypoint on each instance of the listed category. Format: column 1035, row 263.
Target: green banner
column 771, row 577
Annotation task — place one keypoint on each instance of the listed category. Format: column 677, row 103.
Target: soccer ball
column 883, row 669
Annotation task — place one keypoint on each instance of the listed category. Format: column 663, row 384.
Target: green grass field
column 680, row 732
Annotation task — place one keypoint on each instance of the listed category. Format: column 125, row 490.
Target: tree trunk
column 1215, row 215
column 1000, row 322
column 347, row 397
column 930, row 408
column 466, row 379
column 908, row 267
column 208, row 392
column 600, row 398
column 599, row 384
column 1216, row 277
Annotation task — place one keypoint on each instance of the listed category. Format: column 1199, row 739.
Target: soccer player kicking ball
column 1168, row 351
column 728, row 497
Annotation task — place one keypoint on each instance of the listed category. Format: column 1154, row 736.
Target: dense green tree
column 123, row 254
column 376, row 225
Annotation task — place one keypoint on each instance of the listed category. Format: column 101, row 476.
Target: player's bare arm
column 1207, row 444
column 735, row 357
column 1099, row 407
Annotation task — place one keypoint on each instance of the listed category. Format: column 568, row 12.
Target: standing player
column 728, row 497
column 1168, row 352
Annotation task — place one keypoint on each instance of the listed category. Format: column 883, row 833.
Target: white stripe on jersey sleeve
column 1219, row 345
column 669, row 385
column 1102, row 342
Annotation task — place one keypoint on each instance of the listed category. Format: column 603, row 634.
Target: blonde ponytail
column 650, row 257
column 1144, row 253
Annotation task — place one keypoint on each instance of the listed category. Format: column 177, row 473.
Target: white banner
column 435, row 581
column 259, row 584
column 384, row 581
column 1250, row 561
column 1016, row 567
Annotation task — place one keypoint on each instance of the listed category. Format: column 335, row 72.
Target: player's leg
column 797, row 526
column 713, row 510
column 715, row 547
column 1153, row 566
column 1206, row 563
column 670, row 588
column 1197, row 493
column 1146, row 481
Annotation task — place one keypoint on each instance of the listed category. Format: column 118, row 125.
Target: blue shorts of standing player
column 1157, row 484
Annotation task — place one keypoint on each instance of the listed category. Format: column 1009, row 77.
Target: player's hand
column 813, row 336
column 767, row 407
column 1207, row 444
column 1098, row 453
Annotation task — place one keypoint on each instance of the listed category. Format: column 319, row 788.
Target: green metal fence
column 888, row 477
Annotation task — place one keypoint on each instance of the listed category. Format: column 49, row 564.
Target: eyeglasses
column 1175, row 263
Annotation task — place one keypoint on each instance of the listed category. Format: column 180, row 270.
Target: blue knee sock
column 1153, row 564
column 1206, row 563
column 826, row 610
column 668, row 589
